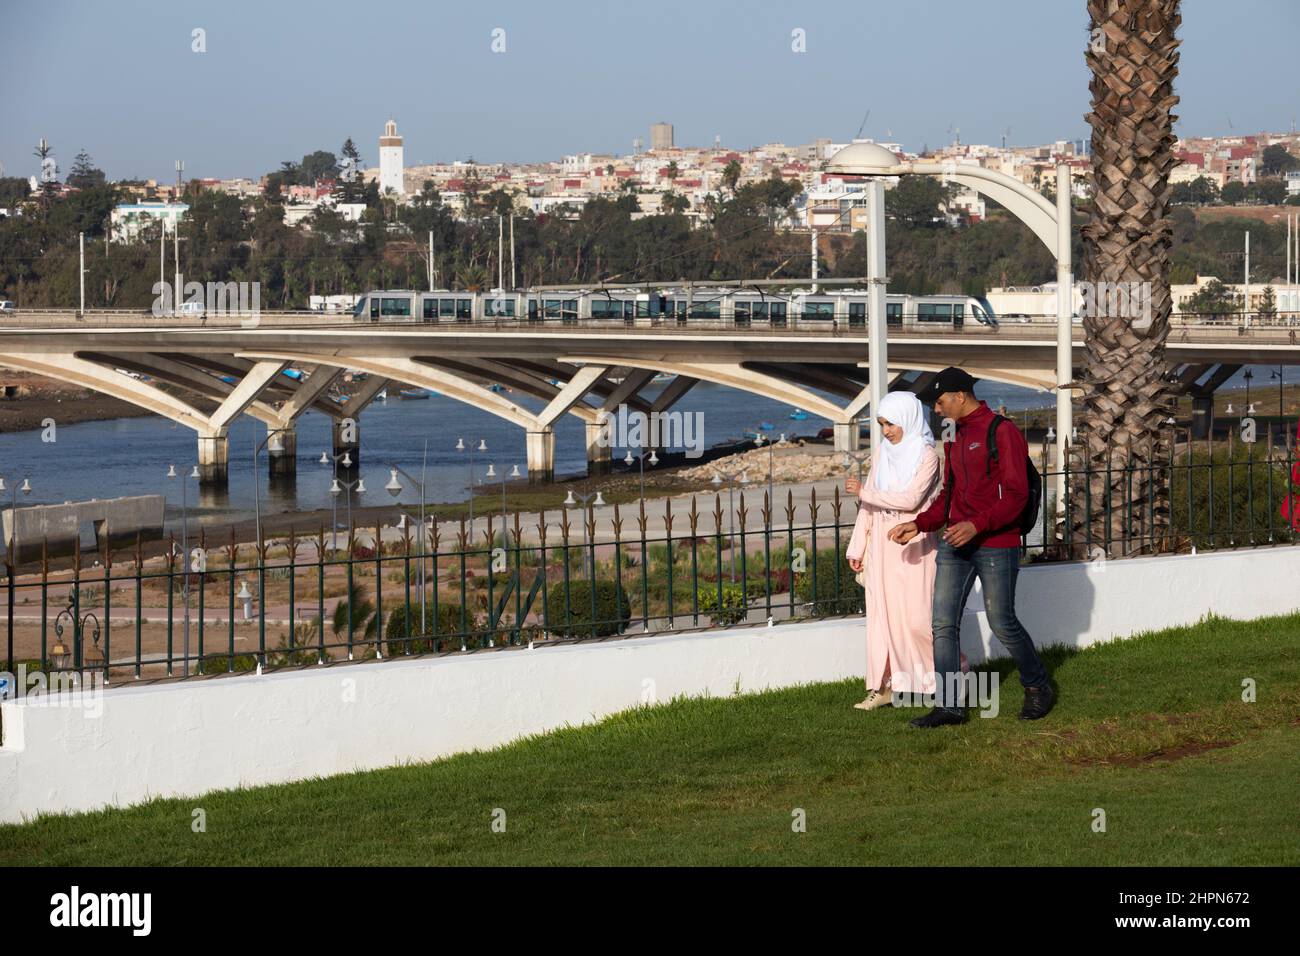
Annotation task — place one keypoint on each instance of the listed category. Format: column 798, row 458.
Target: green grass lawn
column 1153, row 731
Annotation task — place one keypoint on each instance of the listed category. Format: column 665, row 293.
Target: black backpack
column 1033, row 480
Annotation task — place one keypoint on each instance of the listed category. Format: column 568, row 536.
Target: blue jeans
column 954, row 577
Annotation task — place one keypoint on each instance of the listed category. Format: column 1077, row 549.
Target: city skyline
column 325, row 92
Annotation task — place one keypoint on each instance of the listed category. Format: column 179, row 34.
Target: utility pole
column 512, row 251
column 430, row 260
column 1245, row 304
column 813, row 231
column 81, row 274
column 501, row 252
column 178, row 294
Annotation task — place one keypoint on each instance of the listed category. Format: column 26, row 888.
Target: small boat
column 497, row 387
column 381, row 395
column 662, row 377
column 414, row 393
column 293, row 373
column 798, row 414
column 229, row 379
column 766, row 426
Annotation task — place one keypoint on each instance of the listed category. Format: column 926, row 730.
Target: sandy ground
column 39, row 398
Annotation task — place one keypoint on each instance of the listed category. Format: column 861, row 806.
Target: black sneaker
column 1038, row 702
column 938, row 718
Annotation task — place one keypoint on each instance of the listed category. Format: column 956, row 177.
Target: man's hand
column 855, row 564
column 959, row 534
column 903, row 533
column 851, row 484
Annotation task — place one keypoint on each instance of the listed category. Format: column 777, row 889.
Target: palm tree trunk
column 1122, row 503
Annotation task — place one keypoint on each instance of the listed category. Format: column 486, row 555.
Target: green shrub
column 219, row 663
column 613, row 610
column 1249, row 507
column 842, row 596
column 734, row 605
column 405, row 636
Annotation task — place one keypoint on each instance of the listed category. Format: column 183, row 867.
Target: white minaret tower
column 390, row 160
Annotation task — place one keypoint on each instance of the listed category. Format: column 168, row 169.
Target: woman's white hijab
column 896, row 464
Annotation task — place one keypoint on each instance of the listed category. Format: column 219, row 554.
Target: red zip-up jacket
column 994, row 503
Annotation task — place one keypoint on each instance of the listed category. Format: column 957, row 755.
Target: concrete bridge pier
column 214, row 459
column 540, row 447
column 345, row 436
column 282, row 455
column 847, row 436
column 1202, row 415
column 599, row 454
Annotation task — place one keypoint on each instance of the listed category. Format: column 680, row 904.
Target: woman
column 904, row 479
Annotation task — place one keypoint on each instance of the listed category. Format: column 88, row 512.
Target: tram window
column 629, row 311
column 642, row 309
column 743, row 312
column 374, row 308
column 570, row 310
column 857, row 314
column 819, row 310
column 893, row 313
column 778, row 313
column 532, row 310
column 932, row 312
column 958, row 314
column 551, row 308
column 395, row 306
column 501, row 307
column 605, row 308
column 760, row 310
column 464, row 309
column 447, row 308
column 430, row 310
column 705, row 310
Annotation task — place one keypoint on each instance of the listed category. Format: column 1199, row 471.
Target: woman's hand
column 903, row 533
column 851, row 485
column 855, row 564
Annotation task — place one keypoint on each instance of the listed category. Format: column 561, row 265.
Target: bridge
column 205, row 372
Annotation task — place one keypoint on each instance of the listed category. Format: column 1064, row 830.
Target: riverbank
column 29, row 400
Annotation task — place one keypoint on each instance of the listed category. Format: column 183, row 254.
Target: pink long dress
column 899, row 580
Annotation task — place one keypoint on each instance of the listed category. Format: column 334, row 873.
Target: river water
column 131, row 456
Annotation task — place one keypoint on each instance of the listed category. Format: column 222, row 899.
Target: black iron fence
column 523, row 580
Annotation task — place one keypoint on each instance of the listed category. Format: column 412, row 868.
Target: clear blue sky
column 281, row 79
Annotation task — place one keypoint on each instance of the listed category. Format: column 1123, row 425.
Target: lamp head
column 570, row 501
column 394, row 487
column 599, row 500
column 361, row 486
column 335, row 488
column 460, row 444
column 171, row 471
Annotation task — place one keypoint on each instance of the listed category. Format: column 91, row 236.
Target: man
column 981, row 506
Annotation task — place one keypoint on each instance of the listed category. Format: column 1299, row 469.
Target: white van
column 6, row 307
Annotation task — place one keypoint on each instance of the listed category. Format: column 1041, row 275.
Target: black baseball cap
column 951, row 379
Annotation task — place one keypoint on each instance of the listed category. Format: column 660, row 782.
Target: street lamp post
column 760, row 441
column 394, row 488
column 596, row 501
column 492, row 473
column 185, row 560
column 641, row 459
column 732, row 479
column 339, row 487
column 11, row 560
column 325, row 459
column 461, row 446
column 1050, row 224
column 275, row 442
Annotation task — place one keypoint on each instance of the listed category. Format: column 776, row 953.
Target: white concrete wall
column 184, row 739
